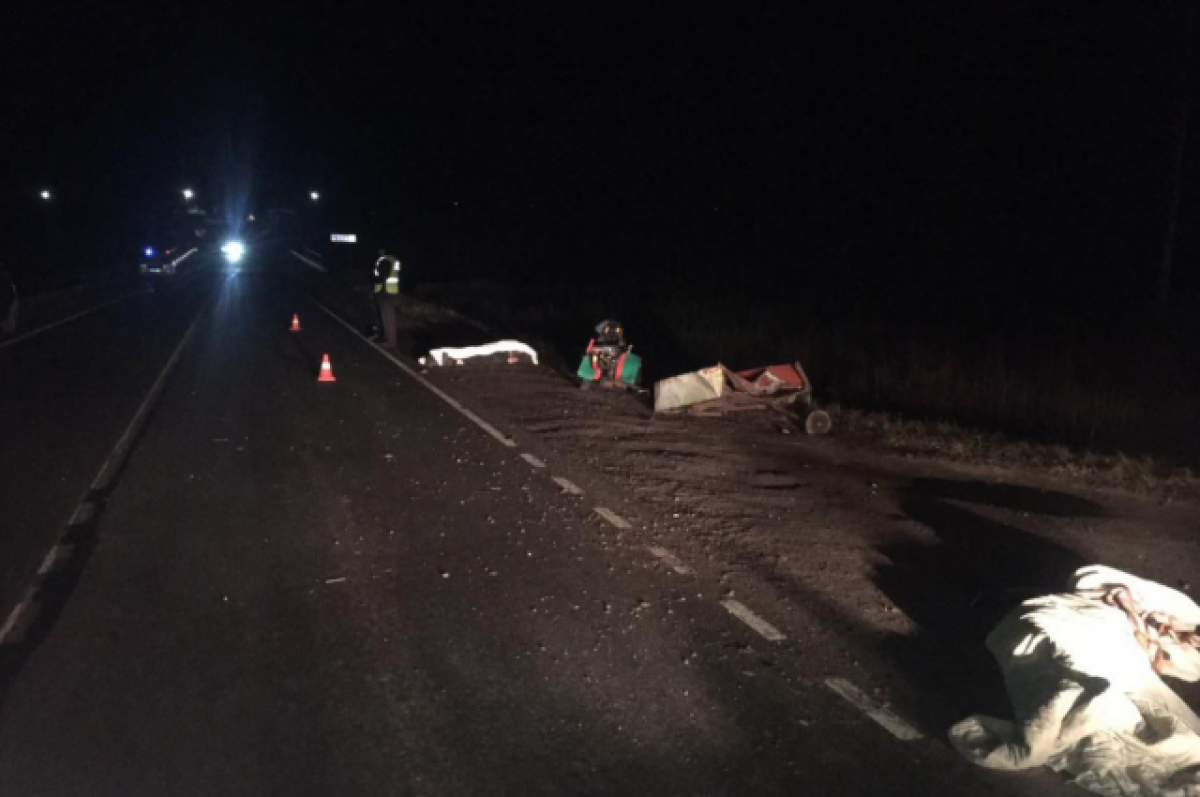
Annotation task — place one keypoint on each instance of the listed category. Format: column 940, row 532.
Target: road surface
column 280, row 586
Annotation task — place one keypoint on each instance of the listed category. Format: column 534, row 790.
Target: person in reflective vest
column 386, row 286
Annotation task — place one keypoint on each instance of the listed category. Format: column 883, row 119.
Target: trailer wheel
column 818, row 422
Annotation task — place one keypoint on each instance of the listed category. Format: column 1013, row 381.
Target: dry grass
column 948, row 441
column 1061, row 404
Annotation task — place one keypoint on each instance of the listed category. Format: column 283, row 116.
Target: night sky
column 950, row 150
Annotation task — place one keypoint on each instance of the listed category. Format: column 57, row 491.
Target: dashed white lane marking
column 432, row 388
column 886, row 719
column 741, row 612
column 67, row 320
column 571, row 488
column 671, row 560
column 532, row 460
column 612, row 517
column 337, row 580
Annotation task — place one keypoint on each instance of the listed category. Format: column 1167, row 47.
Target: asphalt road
column 65, row 396
column 301, row 588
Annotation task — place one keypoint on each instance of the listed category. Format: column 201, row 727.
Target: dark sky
column 949, row 144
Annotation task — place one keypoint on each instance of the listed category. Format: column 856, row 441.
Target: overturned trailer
column 719, row 390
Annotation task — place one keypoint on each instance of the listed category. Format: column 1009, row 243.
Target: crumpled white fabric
column 1086, row 699
column 467, row 352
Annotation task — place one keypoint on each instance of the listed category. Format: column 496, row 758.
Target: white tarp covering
column 1086, row 697
column 486, row 350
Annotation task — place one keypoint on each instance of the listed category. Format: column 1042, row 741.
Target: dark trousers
column 388, row 307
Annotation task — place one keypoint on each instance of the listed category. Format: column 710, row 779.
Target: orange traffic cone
column 295, row 327
column 326, row 371
column 512, row 358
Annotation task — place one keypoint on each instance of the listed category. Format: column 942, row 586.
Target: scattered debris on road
column 1082, row 671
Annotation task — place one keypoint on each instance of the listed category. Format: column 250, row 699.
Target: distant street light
column 187, row 193
column 46, row 195
column 314, row 195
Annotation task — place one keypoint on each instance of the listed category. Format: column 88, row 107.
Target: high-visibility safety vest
column 389, row 266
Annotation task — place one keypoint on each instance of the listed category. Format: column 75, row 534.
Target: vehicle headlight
column 234, row 251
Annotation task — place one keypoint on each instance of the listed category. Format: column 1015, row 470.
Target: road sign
column 344, row 238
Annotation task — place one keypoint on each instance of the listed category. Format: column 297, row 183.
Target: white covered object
column 1085, row 696
column 487, row 349
column 684, row 390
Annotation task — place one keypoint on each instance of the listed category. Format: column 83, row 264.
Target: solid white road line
column 569, row 487
column 671, row 560
column 67, row 320
column 532, row 460
column 14, row 617
column 83, row 514
column 121, row 451
column 434, row 389
column 886, row 719
column 86, row 510
column 741, row 612
column 612, row 517
column 57, row 554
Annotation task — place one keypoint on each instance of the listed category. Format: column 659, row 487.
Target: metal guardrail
column 184, row 256
column 31, row 305
column 308, row 260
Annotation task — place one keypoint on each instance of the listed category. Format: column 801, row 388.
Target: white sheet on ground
column 1086, row 698
column 487, row 349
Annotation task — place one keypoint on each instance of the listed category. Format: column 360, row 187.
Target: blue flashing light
column 149, row 251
